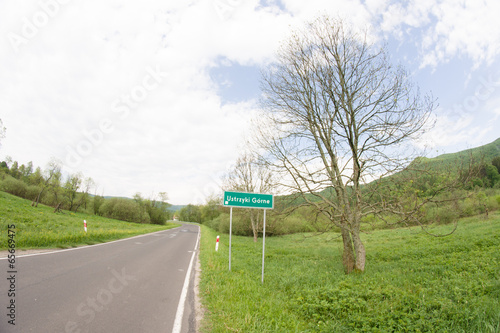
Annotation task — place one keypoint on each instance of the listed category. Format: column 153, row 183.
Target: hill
column 42, row 228
column 485, row 153
column 175, row 208
column 488, row 152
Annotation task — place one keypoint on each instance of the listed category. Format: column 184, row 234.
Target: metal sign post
column 248, row 200
column 230, row 233
column 263, row 245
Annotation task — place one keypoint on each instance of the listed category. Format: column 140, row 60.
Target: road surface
column 133, row 285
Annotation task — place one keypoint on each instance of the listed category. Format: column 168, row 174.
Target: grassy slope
column 488, row 151
column 413, row 283
column 484, row 153
column 441, row 162
column 41, row 228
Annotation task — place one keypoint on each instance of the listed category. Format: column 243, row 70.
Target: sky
column 157, row 96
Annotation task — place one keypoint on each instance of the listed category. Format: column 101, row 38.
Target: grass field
column 413, row 282
column 42, row 228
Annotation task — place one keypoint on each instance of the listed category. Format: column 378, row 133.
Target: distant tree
column 211, row 209
column 123, row 209
column 190, row 213
column 97, row 202
column 157, row 208
column 88, row 184
column 14, row 170
column 36, row 178
column 21, row 171
column 71, row 187
column 25, row 172
column 250, row 176
column 336, row 115
column 4, row 167
column 28, row 170
column 492, row 175
column 496, row 163
column 50, row 180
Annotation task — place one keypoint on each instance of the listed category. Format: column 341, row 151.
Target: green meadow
column 413, row 282
column 42, row 228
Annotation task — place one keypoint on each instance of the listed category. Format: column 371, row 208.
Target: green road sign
column 248, row 200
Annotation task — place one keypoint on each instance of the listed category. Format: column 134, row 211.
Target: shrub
column 14, row 186
column 468, row 208
column 214, row 223
column 492, row 174
column 442, row 215
column 289, row 225
column 96, row 204
column 123, row 209
column 49, row 198
column 491, row 204
column 157, row 215
column 32, row 192
column 496, row 163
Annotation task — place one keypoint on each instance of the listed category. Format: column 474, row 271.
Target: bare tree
column 88, row 184
column 71, row 187
column 50, row 179
column 250, row 176
column 337, row 115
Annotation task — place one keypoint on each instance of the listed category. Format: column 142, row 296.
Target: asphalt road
column 133, row 285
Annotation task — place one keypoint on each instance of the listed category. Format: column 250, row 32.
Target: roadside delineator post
column 85, row 225
column 217, row 244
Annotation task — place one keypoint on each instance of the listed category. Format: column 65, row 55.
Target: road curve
column 132, row 285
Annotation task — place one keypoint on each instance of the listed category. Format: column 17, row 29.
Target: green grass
column 413, row 282
column 42, row 228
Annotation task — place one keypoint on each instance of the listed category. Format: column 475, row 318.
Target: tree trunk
column 359, row 249
column 58, row 208
column 254, row 221
column 348, row 259
column 77, row 206
column 37, row 199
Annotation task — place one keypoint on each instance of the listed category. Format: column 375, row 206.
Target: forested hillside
column 475, row 173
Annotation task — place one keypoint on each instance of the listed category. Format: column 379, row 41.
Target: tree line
column 477, row 193
column 74, row 193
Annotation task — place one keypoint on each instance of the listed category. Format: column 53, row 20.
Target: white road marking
column 86, row 246
column 182, row 301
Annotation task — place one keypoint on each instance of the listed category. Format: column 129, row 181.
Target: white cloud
column 450, row 130
column 71, row 64
column 448, row 28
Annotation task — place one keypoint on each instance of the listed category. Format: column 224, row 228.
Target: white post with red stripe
column 85, row 225
column 217, row 244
